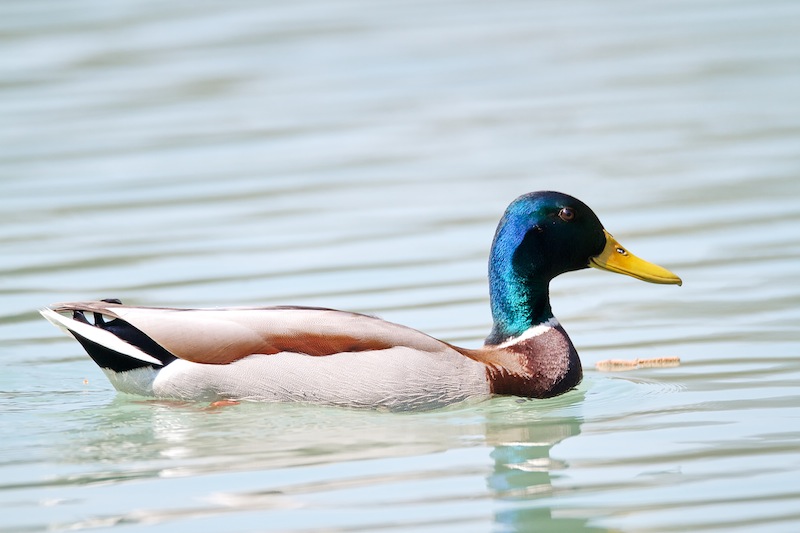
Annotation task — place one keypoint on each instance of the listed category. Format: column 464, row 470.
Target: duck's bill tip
column 616, row 258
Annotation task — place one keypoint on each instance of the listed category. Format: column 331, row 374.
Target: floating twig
column 620, row 365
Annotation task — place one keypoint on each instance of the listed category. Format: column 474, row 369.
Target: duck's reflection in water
column 521, row 481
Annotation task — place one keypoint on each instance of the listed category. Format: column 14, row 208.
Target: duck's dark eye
column 566, row 214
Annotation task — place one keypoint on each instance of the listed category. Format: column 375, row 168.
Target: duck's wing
column 225, row 335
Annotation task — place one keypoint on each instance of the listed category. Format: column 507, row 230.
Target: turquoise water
column 358, row 156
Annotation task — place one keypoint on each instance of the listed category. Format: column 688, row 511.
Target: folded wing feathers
column 221, row 336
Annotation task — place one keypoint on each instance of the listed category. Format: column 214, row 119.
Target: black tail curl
column 111, row 359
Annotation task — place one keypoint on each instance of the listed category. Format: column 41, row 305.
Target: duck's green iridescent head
column 541, row 235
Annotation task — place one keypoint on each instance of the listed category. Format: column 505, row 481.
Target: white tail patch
column 97, row 335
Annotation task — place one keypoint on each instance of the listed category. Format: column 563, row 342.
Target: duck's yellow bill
column 615, row 258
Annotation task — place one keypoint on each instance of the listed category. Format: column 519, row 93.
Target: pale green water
column 358, row 155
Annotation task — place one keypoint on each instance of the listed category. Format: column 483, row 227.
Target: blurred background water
column 358, row 155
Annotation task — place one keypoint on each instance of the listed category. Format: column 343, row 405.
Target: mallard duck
column 324, row 356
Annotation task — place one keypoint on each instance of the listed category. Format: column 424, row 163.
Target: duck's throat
column 518, row 304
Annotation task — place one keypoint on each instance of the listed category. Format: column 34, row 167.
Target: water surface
column 358, row 156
